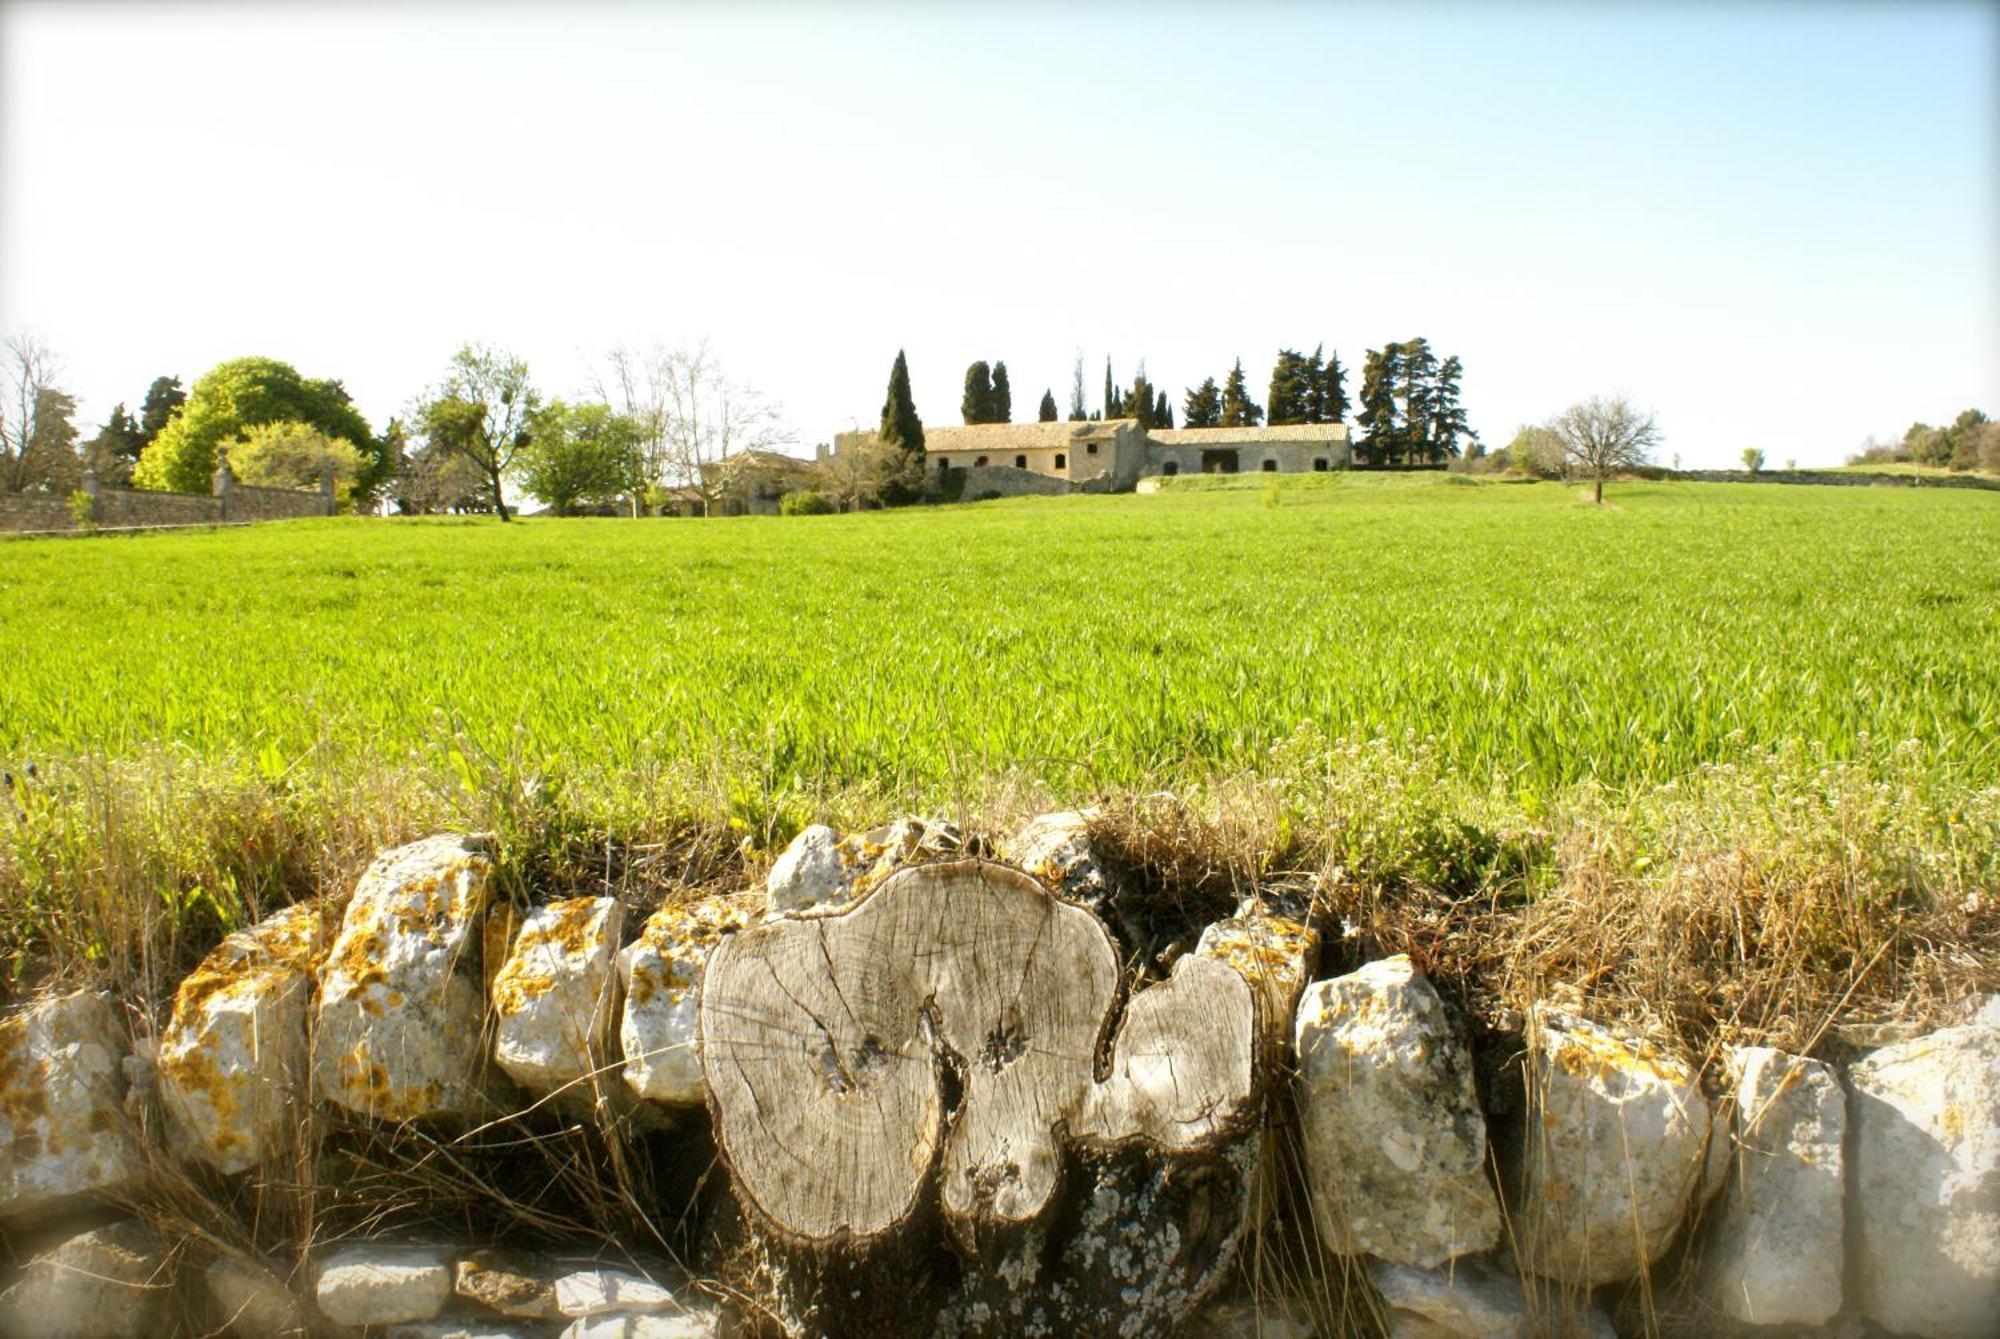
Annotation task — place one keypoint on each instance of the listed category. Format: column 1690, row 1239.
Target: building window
column 1062, row 461
column 1270, row 467
column 979, row 464
column 1319, row 464
column 1090, row 448
column 1171, row 468
column 1020, row 462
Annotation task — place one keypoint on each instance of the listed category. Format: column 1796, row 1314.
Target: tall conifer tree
column 1111, row 405
column 1290, row 390
column 1381, row 372
column 1238, row 409
column 1448, row 421
column 977, row 402
column 901, row 428
column 1203, row 406
column 1003, row 396
column 1048, row 414
column 1419, row 391
column 1163, row 413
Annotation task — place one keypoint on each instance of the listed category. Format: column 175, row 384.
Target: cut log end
column 950, row 1027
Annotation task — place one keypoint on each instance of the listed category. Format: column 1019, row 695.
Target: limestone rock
column 596, row 1292
column 455, row 1329
column 400, row 1003
column 232, row 1058
column 1395, row 1145
column 508, row 1287
column 1055, row 848
column 110, row 1283
column 251, row 1301
column 63, row 1131
column 1275, row 954
column 1774, row 1256
column 373, row 1284
column 822, row 870
column 554, row 995
column 662, row 970
column 1610, row 1153
column 1925, row 1144
column 698, row 1324
column 1470, row 1299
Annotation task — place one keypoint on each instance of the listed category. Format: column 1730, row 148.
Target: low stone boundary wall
column 1837, row 478
column 231, row 503
column 942, row 1106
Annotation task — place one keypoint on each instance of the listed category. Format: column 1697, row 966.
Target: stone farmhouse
column 1113, row 455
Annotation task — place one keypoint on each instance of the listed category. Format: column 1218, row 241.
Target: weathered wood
column 957, row 1028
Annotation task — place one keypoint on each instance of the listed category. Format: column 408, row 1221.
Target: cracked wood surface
column 951, row 1024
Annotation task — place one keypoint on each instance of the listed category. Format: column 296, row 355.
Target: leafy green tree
column 480, row 412
column 578, row 454
column 1238, row 409
column 1380, row 418
column 163, row 397
column 116, row 447
column 241, row 394
column 1203, row 406
column 289, row 454
column 1753, row 459
column 1003, row 395
column 977, row 402
column 902, row 433
column 1048, row 412
column 1290, row 399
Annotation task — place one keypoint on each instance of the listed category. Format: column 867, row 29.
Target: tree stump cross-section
column 955, row 1028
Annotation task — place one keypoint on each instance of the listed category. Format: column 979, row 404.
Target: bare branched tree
column 696, row 417
column 31, row 394
column 1604, row 435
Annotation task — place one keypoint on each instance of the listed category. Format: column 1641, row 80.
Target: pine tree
column 1048, row 414
column 1238, row 409
column 977, row 403
column 1313, row 372
column 116, row 446
column 1203, row 406
column 1003, row 396
column 1333, row 391
column 1163, row 413
column 1380, row 374
column 1420, row 369
column 1290, row 390
column 1448, row 421
column 163, row 397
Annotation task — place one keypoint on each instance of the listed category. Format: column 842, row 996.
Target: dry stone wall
column 894, row 995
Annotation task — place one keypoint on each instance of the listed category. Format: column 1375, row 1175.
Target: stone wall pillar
column 222, row 481
column 95, row 491
column 326, row 494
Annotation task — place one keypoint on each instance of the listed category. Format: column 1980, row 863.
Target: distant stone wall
column 1007, row 481
column 143, row 509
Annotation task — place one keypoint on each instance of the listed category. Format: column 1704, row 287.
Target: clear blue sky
column 1778, row 226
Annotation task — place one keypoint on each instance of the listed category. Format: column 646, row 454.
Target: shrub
column 290, row 454
column 83, row 510
column 806, row 502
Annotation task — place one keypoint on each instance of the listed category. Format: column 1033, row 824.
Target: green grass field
column 1089, row 642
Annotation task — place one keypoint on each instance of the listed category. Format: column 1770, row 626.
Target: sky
column 1776, row 226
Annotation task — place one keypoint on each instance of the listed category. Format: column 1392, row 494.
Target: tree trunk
column 1600, row 487
column 933, row 1083
column 499, row 501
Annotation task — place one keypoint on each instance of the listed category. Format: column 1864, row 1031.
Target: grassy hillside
column 1726, row 754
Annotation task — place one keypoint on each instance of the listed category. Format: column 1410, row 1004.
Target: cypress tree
column 1203, row 407
column 901, row 428
column 1238, row 409
column 1111, row 405
column 1139, row 402
column 977, row 403
column 1048, row 414
column 1003, row 396
column 1163, row 413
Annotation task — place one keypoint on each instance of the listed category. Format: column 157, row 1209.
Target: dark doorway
column 1218, row 461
